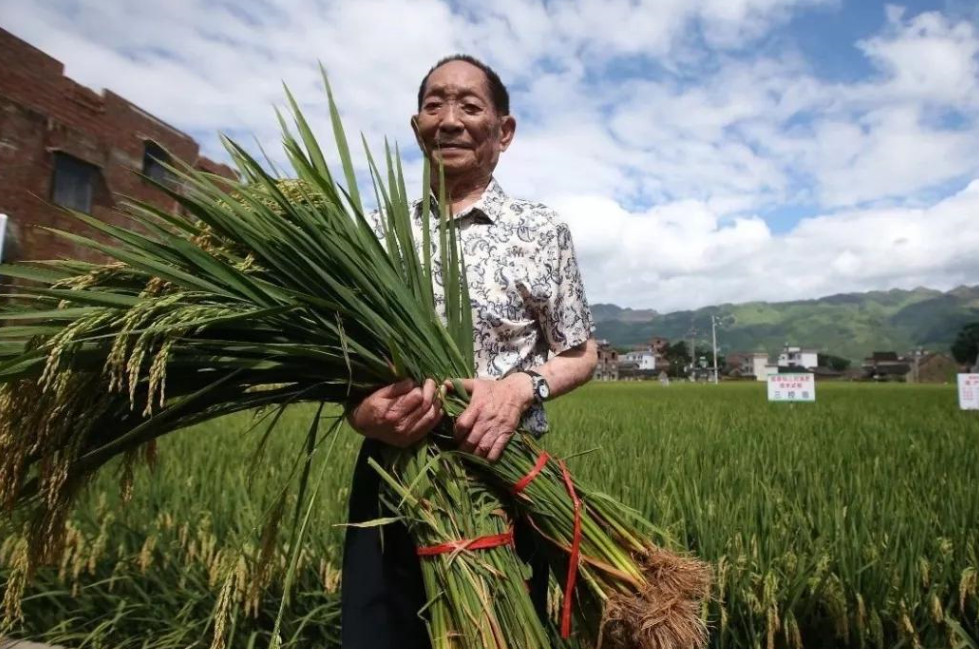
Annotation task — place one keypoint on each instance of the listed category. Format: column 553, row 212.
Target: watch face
column 543, row 391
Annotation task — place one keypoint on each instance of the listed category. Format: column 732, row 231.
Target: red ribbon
column 575, row 552
column 478, row 543
column 527, row 479
column 520, row 485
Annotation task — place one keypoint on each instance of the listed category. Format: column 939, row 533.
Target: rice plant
column 851, row 522
column 266, row 292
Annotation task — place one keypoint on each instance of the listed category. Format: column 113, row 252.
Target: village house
column 628, row 370
column 762, row 367
column 659, row 345
column 797, row 357
column 828, row 374
column 886, row 366
column 636, row 365
column 735, row 363
column 607, row 368
column 748, row 365
column 63, row 145
column 933, row 367
column 644, row 362
column 644, row 358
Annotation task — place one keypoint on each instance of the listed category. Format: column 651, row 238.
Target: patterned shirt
column 525, row 287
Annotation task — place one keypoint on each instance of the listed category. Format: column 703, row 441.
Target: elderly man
column 532, row 343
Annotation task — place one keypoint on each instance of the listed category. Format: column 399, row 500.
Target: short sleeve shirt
column 525, row 287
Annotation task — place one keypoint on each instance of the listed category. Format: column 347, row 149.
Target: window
column 73, row 182
column 154, row 159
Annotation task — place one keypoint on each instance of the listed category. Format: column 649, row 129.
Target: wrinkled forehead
column 458, row 78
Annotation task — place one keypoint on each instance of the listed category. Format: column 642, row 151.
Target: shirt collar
column 489, row 205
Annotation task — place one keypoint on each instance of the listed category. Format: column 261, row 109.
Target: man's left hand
column 495, row 408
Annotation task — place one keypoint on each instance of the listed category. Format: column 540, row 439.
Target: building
column 637, row 365
column 644, row 359
column 934, row 368
column 747, row 365
column 63, row 144
column 827, row 374
column 644, row 362
column 607, row 368
column 798, row 357
column 886, row 366
column 659, row 345
column 629, row 371
column 756, row 364
column 762, row 367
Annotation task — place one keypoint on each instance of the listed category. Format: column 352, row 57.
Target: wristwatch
column 542, row 391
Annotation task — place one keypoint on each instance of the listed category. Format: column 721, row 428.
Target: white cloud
column 926, row 58
column 887, row 152
column 682, row 254
column 660, row 128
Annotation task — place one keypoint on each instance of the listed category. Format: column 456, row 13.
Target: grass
column 850, row 522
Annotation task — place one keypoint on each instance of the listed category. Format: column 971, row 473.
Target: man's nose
column 450, row 119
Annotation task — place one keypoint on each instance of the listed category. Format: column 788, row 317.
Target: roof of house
column 892, row 369
column 793, row 369
column 884, row 356
column 825, row 371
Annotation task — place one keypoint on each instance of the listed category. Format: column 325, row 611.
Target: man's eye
column 433, row 105
column 472, row 109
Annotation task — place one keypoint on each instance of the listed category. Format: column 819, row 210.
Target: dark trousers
column 382, row 589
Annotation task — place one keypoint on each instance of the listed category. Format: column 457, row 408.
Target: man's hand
column 494, row 412
column 398, row 414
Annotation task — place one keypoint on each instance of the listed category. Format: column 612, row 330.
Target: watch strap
column 536, row 380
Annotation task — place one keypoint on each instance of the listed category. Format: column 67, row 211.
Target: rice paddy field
column 851, row 522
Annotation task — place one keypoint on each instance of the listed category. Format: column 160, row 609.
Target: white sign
column 792, row 387
column 3, row 230
column 969, row 391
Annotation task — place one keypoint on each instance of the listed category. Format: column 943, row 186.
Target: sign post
column 969, row 391
column 792, row 387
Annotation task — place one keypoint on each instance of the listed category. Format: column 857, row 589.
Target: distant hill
column 850, row 324
column 604, row 312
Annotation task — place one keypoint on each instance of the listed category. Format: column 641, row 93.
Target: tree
column 708, row 352
column 837, row 363
column 678, row 356
column 965, row 349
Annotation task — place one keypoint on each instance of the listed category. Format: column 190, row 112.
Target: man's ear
column 508, row 128
column 418, row 136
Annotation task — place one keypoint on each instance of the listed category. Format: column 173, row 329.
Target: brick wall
column 42, row 112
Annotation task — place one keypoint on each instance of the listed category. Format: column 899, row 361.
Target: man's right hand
column 398, row 414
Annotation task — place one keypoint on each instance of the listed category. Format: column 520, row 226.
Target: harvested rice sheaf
column 262, row 293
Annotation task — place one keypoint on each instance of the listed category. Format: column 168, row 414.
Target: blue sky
column 701, row 150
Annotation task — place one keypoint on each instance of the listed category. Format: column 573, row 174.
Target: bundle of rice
column 264, row 293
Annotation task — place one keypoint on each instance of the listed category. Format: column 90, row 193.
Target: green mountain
column 851, row 325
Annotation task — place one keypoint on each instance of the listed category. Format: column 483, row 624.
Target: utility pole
column 713, row 333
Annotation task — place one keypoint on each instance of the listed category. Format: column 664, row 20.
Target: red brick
column 41, row 110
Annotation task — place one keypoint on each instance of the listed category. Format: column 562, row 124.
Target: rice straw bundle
column 265, row 293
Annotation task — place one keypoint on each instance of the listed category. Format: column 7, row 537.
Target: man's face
column 458, row 124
